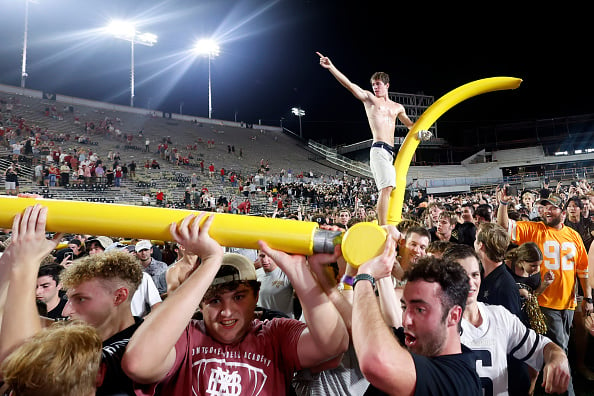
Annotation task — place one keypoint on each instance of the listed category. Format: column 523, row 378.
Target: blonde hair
column 62, row 360
column 495, row 239
column 113, row 266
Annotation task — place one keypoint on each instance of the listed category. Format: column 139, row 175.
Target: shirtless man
column 183, row 267
column 381, row 114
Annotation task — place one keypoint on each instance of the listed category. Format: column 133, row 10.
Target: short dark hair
column 419, row 230
column 450, row 275
column 468, row 205
column 438, row 246
column 459, row 251
column 52, row 270
column 575, row 199
column 383, row 77
column 213, row 290
column 483, row 211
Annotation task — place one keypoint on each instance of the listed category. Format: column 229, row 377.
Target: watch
column 366, row 277
column 588, row 300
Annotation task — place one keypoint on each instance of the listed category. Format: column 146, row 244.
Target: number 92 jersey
column 563, row 253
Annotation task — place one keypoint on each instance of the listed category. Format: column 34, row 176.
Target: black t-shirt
column 116, row 382
column 499, row 288
column 434, row 237
column 466, row 233
column 56, row 313
column 453, row 375
column 584, row 227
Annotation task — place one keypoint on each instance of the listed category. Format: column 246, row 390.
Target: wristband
column 366, row 277
column 503, row 203
column 347, row 280
column 588, row 300
column 346, row 286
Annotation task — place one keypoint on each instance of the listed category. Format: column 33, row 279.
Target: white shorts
column 9, row 186
column 382, row 168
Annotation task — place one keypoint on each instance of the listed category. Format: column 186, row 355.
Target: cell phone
column 68, row 256
column 511, row 191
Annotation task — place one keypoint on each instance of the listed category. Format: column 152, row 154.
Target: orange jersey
column 563, row 253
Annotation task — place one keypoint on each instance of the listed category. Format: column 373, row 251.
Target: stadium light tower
column 210, row 48
column 127, row 31
column 299, row 112
column 24, row 74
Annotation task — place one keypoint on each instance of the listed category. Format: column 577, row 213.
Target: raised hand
column 29, row 244
column 194, row 237
column 324, row 61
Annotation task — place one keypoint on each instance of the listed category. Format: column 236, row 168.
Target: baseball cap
column 552, row 199
column 104, row 241
column 144, row 244
column 235, row 266
column 115, row 246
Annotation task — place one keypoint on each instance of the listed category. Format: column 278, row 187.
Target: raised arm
column 389, row 297
column 21, row 260
column 326, row 334
column 383, row 361
column 342, row 300
column 502, row 204
column 147, row 361
column 356, row 90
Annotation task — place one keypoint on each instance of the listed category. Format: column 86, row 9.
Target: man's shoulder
column 455, row 371
column 158, row 263
column 123, row 336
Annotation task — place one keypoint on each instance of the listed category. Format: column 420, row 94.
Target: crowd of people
column 503, row 269
column 471, row 294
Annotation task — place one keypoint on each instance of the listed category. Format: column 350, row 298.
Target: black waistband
column 385, row 146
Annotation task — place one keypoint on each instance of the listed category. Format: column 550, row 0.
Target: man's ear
column 121, row 295
column 455, row 315
column 401, row 241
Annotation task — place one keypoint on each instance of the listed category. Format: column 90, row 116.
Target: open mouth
column 228, row 324
column 409, row 340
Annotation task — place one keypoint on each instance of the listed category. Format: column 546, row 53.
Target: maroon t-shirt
column 262, row 364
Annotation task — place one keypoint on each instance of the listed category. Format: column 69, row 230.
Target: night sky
column 268, row 62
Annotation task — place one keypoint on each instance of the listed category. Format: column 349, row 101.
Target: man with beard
column 564, row 254
column 412, row 245
column 430, row 359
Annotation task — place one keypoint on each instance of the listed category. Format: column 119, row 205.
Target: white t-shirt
column 276, row 291
column 501, row 333
column 146, row 293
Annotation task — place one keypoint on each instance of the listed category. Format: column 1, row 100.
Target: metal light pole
column 127, row 31
column 211, row 49
column 299, row 112
column 24, row 74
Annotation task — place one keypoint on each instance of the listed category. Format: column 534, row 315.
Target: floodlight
column 207, row 47
column 299, row 112
column 127, row 31
column 210, row 48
